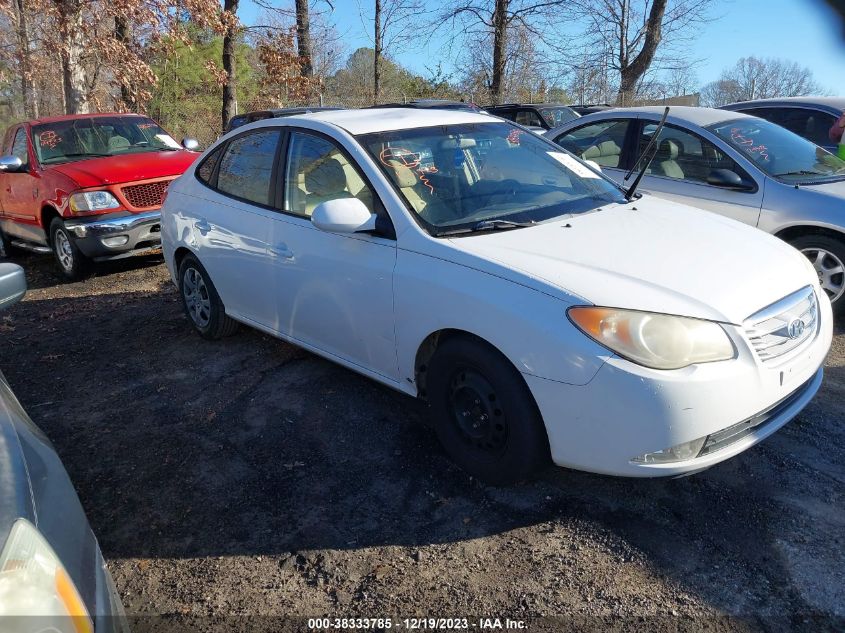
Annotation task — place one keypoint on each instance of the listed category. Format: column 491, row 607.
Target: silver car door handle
column 202, row 226
column 281, row 250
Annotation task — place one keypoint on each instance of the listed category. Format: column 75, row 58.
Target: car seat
column 426, row 205
column 606, row 154
column 667, row 159
column 118, row 143
column 326, row 181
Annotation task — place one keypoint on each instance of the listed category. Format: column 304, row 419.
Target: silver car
column 52, row 574
column 734, row 164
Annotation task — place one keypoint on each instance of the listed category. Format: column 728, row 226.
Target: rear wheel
column 484, row 413
column 201, row 302
column 827, row 254
column 72, row 262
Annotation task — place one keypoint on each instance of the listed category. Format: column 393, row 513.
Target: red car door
column 19, row 191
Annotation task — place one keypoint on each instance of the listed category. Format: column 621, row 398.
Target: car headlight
column 659, row 341
column 93, row 201
column 33, row 582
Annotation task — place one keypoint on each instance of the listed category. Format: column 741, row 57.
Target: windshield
column 558, row 116
column 779, row 152
column 78, row 139
column 456, row 176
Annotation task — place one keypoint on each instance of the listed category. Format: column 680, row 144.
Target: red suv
column 87, row 187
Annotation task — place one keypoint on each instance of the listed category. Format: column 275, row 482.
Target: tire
column 201, row 302
column 827, row 254
column 70, row 259
column 484, row 413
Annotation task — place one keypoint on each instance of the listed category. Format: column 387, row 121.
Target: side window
column 246, row 168
column 205, row 171
column 811, row 124
column 19, row 146
column 683, row 155
column 317, row 171
column 528, row 117
column 600, row 142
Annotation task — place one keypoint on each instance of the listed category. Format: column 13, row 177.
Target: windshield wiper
column 486, row 225
column 803, row 172
column 629, row 194
column 76, row 155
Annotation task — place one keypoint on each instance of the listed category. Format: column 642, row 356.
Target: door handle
column 281, row 250
column 202, row 226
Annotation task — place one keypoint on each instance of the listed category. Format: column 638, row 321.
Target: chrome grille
column 783, row 326
column 147, row 195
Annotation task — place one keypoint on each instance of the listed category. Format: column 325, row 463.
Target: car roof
column 70, row 117
column 690, row 114
column 831, row 102
column 365, row 121
column 529, row 105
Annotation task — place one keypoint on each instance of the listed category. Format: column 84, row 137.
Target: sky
column 803, row 31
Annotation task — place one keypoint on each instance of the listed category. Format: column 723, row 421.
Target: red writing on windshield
column 747, row 144
column 49, row 139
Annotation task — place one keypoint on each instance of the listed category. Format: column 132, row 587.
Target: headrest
column 403, row 175
column 668, row 149
column 457, row 143
column 326, row 178
column 118, row 142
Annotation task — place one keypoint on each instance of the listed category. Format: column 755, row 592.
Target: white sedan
column 542, row 315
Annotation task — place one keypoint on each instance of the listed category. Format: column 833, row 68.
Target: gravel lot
column 247, row 477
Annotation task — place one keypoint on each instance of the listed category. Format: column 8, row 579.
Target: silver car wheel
column 830, row 269
column 196, row 297
column 64, row 250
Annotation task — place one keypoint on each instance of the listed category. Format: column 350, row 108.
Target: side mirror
column 594, row 165
column 728, row 179
column 190, row 144
column 343, row 215
column 12, row 284
column 10, row 164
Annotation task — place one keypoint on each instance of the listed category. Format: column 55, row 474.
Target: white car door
column 233, row 222
column 681, row 167
column 334, row 291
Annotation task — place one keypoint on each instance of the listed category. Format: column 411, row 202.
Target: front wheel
column 827, row 254
column 484, row 413
column 201, row 302
column 72, row 262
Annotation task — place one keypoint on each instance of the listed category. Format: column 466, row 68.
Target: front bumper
column 114, row 236
column 628, row 410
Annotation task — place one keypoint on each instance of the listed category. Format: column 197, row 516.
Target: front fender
column 529, row 327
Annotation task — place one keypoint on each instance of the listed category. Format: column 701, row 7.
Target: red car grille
column 150, row 194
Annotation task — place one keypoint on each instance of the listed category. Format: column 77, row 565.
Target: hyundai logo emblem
column 795, row 329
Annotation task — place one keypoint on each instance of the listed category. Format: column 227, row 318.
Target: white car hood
column 653, row 255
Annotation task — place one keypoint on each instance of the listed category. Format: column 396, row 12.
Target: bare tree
column 755, row 78
column 30, row 103
column 636, row 31
column 495, row 20
column 391, row 22
column 230, row 95
column 303, row 37
column 72, row 51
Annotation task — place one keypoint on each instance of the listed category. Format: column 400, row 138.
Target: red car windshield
column 78, row 139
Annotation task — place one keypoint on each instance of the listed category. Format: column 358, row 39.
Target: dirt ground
column 247, row 477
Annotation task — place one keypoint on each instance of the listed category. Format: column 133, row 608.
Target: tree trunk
column 631, row 73
column 121, row 34
column 30, row 103
column 377, row 55
column 230, row 98
column 74, row 76
column 303, row 38
column 500, row 41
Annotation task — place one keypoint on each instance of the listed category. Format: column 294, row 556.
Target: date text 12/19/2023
column 416, row 624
